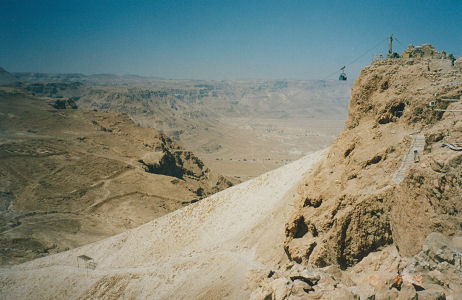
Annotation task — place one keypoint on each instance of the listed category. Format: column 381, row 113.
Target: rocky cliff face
column 389, row 180
column 364, row 196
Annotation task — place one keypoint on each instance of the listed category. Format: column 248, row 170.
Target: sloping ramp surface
column 203, row 251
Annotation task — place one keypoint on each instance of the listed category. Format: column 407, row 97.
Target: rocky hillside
column 6, row 78
column 69, row 177
column 389, row 180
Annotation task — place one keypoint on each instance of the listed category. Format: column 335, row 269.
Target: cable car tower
column 390, row 49
column 391, row 54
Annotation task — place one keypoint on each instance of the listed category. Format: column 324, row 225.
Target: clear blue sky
column 216, row 39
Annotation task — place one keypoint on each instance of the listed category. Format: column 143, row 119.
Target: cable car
column 343, row 75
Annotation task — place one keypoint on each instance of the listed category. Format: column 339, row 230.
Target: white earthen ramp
column 203, row 251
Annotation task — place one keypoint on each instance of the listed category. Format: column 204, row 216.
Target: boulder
column 458, row 64
column 431, row 295
column 300, row 288
column 407, row 292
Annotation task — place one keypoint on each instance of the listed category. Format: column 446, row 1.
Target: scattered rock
column 387, row 294
column 407, row 292
column 343, row 294
column 306, row 276
column 280, row 288
column 431, row 295
column 300, row 288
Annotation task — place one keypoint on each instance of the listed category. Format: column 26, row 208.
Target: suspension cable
column 359, row 57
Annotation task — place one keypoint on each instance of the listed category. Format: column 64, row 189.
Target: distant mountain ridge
column 93, row 79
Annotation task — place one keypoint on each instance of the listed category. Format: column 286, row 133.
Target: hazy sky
column 217, row 39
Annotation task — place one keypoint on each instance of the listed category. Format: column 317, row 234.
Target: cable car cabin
column 342, row 75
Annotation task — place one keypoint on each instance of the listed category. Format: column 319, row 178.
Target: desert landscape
column 70, row 177
column 272, row 122
column 284, row 150
column 78, row 166
column 377, row 214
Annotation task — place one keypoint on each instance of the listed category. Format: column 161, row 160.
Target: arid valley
column 99, row 169
column 239, row 128
column 276, row 150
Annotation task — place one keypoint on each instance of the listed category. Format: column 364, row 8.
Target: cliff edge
column 391, row 178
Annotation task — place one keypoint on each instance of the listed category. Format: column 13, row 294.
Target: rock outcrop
column 351, row 206
column 355, row 203
column 433, row 273
column 64, row 104
column 425, row 51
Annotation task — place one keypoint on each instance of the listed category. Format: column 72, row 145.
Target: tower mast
column 390, row 50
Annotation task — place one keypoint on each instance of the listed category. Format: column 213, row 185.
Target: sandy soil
column 203, row 251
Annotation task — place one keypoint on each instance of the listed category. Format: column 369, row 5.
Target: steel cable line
column 358, row 58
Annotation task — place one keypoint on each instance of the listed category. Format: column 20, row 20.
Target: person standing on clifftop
column 452, row 58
